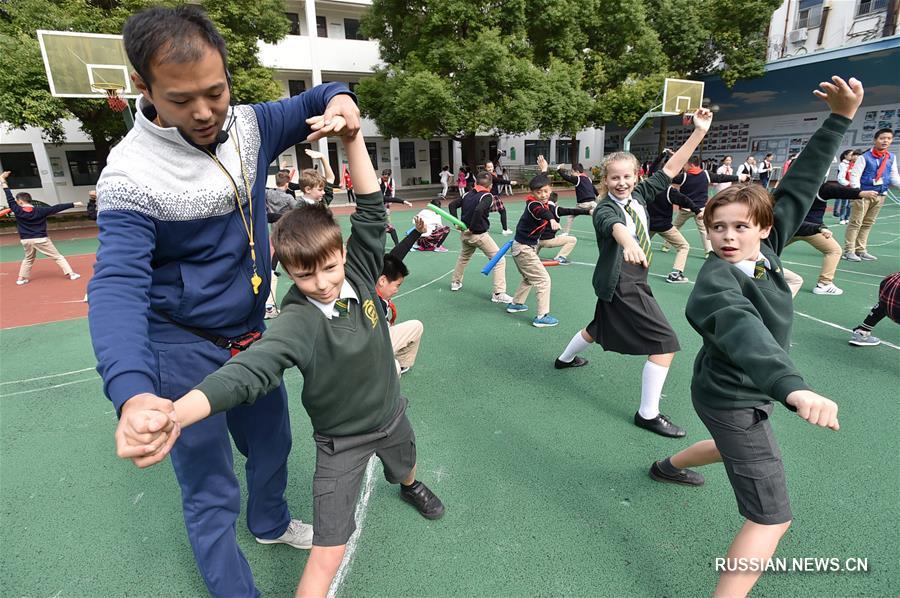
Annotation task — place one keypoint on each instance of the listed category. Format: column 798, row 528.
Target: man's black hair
column 578, row 167
column 880, row 132
column 160, row 35
column 695, row 160
column 541, row 180
column 393, row 268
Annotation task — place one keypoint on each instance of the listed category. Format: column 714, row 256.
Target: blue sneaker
column 544, row 321
column 512, row 308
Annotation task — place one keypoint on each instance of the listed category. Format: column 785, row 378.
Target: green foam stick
column 448, row 216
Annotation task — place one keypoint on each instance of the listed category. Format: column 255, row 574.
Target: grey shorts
column 340, row 465
column 752, row 459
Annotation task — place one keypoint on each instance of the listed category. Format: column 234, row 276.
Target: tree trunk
column 469, row 151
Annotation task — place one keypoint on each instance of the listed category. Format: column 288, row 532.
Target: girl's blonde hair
column 604, row 167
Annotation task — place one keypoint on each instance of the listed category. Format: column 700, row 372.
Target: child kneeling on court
column 332, row 330
column 741, row 306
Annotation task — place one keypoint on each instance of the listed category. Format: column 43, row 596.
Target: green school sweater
column 608, row 213
column 746, row 323
column 350, row 385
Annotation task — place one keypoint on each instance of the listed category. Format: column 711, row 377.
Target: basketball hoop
column 113, row 96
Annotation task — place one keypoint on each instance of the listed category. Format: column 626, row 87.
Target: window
column 372, row 148
column 296, row 87
column 321, row 27
column 407, row 154
column 351, row 29
column 867, row 7
column 84, row 167
column 535, row 148
column 809, row 14
column 23, row 166
column 294, row 18
column 566, row 151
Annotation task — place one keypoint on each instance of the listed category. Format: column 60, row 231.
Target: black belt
column 235, row 345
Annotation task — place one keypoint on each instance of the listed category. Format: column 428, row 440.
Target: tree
column 25, row 98
column 458, row 67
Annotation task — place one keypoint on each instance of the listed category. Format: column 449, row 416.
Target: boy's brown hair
column 282, row 178
column 757, row 200
column 311, row 179
column 305, row 237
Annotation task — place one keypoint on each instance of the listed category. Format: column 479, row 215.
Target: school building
column 809, row 40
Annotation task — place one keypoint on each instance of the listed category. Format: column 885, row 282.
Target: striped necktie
column 643, row 238
column 341, row 306
column 759, row 271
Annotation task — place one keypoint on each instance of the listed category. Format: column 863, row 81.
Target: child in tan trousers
column 31, row 222
column 476, row 207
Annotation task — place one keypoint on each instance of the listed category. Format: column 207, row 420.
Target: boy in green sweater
column 741, row 306
column 332, row 330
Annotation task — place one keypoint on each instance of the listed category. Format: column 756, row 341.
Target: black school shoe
column 423, row 499
column 575, row 363
column 684, row 476
column 660, row 424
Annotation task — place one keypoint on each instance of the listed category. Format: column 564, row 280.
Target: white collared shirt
column 638, row 209
column 748, row 267
column 308, row 201
column 347, row 292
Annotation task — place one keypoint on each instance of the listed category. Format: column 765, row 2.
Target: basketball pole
column 652, row 113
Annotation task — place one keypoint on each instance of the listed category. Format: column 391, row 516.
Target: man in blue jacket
column 182, row 271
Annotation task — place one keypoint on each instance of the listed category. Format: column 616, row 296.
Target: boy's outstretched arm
column 798, row 188
column 702, row 119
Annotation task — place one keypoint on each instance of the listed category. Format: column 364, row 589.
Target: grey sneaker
column 455, row 286
column 858, row 339
column 501, row 298
column 866, row 256
column 297, row 534
column 851, row 257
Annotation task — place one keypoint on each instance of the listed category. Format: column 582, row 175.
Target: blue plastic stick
column 490, row 265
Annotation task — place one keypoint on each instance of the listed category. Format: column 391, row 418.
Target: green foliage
column 25, row 98
column 461, row 67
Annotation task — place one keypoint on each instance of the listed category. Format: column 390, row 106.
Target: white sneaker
column 74, row 276
column 501, row 298
column 827, row 289
column 455, row 286
column 507, row 232
column 22, row 281
column 297, row 534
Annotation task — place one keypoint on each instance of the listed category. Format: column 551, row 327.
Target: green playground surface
column 542, row 472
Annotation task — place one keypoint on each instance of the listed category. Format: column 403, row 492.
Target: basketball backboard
column 85, row 65
column 681, row 95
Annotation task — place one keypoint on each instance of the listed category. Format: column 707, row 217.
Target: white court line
column 25, row 392
column 360, row 517
column 422, row 286
column 839, row 327
column 45, row 377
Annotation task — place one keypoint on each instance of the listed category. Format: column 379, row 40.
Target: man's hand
column 420, row 225
column 406, row 203
column 633, row 254
column 702, row 119
column 815, row 408
column 92, row 194
column 554, row 224
column 341, row 118
column 843, row 97
column 743, row 177
column 826, row 233
column 78, row 204
column 313, row 154
column 147, row 429
column 868, row 194
column 3, row 176
column 542, row 163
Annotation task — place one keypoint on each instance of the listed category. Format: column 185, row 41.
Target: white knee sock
column 653, row 378
column 575, row 346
